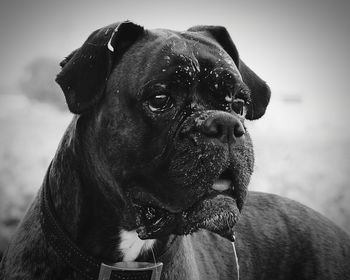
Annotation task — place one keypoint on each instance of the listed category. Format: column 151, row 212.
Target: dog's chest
column 132, row 246
column 199, row 256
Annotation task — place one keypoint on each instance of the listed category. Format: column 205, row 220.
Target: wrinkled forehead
column 185, row 59
column 188, row 54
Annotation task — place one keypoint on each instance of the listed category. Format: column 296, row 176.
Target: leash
column 79, row 261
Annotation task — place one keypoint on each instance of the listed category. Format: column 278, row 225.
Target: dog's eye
column 239, row 106
column 160, row 103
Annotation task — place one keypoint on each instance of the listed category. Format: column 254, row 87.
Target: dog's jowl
column 154, row 168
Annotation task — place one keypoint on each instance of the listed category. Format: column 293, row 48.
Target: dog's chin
column 217, row 212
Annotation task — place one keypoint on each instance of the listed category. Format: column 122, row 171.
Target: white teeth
column 221, row 185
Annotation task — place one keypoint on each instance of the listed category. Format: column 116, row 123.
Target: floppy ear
column 85, row 71
column 260, row 91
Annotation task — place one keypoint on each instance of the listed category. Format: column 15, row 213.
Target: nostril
column 238, row 130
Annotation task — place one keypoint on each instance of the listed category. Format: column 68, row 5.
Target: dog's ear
column 85, row 71
column 260, row 91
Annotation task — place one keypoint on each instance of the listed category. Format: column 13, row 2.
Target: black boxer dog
column 154, row 167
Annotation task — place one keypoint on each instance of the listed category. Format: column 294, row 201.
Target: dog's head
column 165, row 111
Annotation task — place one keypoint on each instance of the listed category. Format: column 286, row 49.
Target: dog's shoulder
column 277, row 212
column 277, row 229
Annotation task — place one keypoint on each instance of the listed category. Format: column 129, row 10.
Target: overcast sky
column 297, row 46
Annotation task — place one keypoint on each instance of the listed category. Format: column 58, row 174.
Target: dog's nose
column 224, row 127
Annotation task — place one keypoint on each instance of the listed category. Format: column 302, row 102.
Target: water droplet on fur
column 195, row 139
column 228, row 98
column 150, row 214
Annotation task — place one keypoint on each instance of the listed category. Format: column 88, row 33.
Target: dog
column 150, row 178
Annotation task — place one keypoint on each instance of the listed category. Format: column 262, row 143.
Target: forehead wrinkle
column 181, row 57
column 180, row 48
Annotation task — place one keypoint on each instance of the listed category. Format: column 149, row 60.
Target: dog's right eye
column 160, row 103
column 240, row 107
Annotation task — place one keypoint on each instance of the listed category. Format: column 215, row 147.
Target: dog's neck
column 91, row 221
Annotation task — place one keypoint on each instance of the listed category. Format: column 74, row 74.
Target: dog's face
column 167, row 113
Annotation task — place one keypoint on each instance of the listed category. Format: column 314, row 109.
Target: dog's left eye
column 239, row 106
column 160, row 103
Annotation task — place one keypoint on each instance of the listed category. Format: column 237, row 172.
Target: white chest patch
column 132, row 246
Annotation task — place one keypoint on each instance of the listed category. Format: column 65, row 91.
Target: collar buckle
column 138, row 269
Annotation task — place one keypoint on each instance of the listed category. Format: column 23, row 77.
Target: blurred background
column 301, row 48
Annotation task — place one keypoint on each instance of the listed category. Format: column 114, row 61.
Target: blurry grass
column 298, row 155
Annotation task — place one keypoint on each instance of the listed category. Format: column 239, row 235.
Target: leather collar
column 83, row 264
